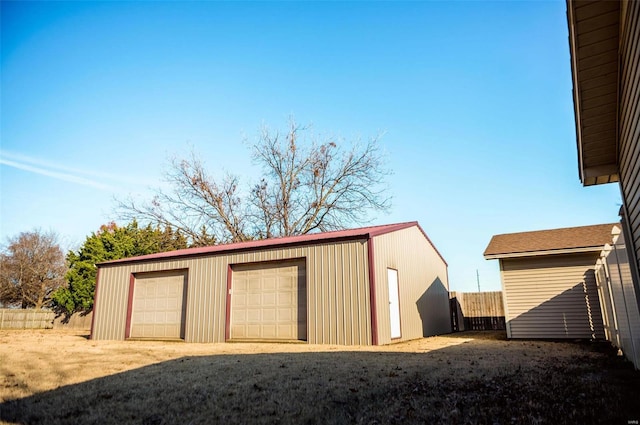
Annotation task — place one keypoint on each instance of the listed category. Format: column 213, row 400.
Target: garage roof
column 594, row 44
column 554, row 241
column 360, row 233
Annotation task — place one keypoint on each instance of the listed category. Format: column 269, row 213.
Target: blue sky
column 473, row 98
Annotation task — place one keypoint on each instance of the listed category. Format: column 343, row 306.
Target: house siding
column 422, row 281
column 629, row 119
column 337, row 292
column 553, row 296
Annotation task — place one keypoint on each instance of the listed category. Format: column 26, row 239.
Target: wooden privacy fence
column 76, row 321
column 13, row 318
column 618, row 297
column 477, row 311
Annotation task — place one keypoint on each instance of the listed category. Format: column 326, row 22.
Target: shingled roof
column 575, row 239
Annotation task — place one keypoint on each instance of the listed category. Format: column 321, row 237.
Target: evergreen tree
column 110, row 242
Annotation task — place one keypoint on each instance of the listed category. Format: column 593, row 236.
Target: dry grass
column 55, row 376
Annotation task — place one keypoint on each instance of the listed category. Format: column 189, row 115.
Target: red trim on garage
column 372, row 293
column 127, row 330
column 227, row 322
column 95, row 300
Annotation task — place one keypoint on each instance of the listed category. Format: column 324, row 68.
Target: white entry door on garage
column 158, row 308
column 394, row 303
column 269, row 301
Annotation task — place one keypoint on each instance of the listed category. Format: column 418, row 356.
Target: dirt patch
column 58, row 376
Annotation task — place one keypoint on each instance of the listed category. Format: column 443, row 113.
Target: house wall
column 423, row 285
column 551, row 296
column 629, row 123
column 337, row 292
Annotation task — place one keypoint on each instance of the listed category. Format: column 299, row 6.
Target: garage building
column 548, row 281
column 373, row 285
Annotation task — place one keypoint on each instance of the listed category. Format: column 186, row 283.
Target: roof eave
column 498, row 256
column 603, row 172
column 575, row 90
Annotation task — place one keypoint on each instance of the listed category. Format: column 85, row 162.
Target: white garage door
column 269, row 301
column 158, row 308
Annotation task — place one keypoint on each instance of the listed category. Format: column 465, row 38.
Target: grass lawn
column 53, row 376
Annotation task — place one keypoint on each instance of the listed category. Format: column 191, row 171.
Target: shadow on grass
column 345, row 387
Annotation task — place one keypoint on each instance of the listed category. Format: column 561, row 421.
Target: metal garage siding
column 338, row 292
column 341, row 295
column 553, row 296
column 110, row 309
column 422, row 281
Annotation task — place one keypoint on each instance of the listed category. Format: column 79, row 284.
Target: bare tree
column 201, row 208
column 31, row 267
column 306, row 186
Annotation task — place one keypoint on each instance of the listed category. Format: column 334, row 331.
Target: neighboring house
column 604, row 39
column 548, row 281
column 368, row 286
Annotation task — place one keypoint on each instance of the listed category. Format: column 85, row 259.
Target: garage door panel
column 144, row 331
column 239, row 331
column 268, row 315
column 241, row 299
column 240, row 284
column 269, row 284
column 239, row 316
column 285, row 330
column 268, row 299
column 253, row 300
column 286, row 316
column 253, row 331
column 254, row 315
column 286, row 299
column 158, row 307
column 273, row 300
column 286, row 284
column 268, row 332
